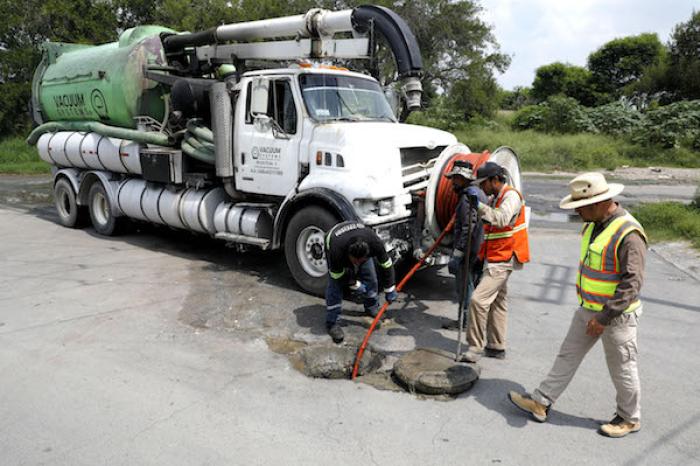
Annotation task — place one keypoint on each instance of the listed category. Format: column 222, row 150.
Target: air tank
column 90, row 151
column 191, row 209
column 104, row 82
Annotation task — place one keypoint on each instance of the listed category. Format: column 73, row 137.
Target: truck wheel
column 304, row 248
column 70, row 214
column 103, row 220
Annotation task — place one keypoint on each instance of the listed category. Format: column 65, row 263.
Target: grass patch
column 17, row 157
column 573, row 152
column 666, row 221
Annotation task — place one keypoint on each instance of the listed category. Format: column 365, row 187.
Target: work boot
column 372, row 311
column 618, row 427
column 335, row 332
column 472, row 355
column 495, row 353
column 525, row 402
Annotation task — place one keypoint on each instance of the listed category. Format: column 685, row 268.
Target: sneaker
column 471, row 355
column 335, row 332
column 525, row 402
column 618, row 427
column 495, row 353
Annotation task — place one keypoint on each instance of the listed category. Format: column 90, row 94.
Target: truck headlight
column 386, row 206
column 367, row 207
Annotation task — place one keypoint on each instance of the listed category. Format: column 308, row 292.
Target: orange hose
column 399, row 287
column 446, row 198
column 446, row 203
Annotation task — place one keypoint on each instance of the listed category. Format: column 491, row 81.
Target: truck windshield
column 331, row 97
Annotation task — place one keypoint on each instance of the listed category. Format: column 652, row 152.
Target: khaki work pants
column 488, row 311
column 620, row 346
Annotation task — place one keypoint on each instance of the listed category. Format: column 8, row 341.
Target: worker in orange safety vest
column 504, row 249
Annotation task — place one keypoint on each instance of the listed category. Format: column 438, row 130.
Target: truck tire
column 304, row 248
column 103, row 220
column 70, row 214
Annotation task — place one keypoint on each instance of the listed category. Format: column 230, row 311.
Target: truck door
column 267, row 154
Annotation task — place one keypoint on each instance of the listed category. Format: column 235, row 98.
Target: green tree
column 515, row 99
column 621, row 62
column 478, row 95
column 684, row 58
column 565, row 79
column 24, row 25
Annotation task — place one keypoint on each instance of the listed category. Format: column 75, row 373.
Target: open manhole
column 336, row 362
column 434, row 372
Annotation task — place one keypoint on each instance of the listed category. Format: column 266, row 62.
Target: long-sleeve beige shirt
column 631, row 255
column 499, row 217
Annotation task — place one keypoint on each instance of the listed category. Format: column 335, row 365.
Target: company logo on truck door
column 266, row 160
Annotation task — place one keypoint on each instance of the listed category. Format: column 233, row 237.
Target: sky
column 539, row 32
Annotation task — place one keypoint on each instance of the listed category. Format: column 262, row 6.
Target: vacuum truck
column 247, row 133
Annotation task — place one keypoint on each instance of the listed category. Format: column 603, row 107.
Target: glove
column 473, row 198
column 454, row 264
column 359, row 289
column 391, row 296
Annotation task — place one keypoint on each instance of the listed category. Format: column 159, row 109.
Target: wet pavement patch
column 435, row 372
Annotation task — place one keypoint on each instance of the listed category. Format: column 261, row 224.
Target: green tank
column 102, row 83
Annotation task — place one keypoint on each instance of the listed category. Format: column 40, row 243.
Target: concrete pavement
column 150, row 348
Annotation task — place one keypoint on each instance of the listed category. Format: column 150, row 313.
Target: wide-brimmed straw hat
column 589, row 188
column 461, row 168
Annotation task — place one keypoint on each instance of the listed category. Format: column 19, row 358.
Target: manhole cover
column 435, row 372
column 336, row 362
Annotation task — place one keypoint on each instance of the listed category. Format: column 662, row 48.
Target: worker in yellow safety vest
column 610, row 276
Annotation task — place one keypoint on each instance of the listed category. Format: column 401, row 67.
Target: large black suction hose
column 177, row 42
column 403, row 45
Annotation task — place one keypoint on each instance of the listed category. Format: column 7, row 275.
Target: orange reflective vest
column 501, row 243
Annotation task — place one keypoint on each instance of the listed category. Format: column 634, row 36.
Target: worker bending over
column 504, row 249
column 610, row 276
column 351, row 252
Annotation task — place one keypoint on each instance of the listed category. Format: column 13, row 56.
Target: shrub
column 615, row 119
column 558, row 114
column 671, row 125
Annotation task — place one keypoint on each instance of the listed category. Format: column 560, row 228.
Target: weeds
column 16, row 157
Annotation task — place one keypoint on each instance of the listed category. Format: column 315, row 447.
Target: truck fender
column 324, row 197
column 87, row 178
column 73, row 177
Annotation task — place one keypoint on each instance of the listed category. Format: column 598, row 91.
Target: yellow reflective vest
column 599, row 269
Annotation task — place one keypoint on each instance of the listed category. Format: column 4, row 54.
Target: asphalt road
column 157, row 348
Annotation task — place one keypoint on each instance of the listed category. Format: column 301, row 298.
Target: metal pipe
column 144, row 137
column 328, row 23
column 264, row 29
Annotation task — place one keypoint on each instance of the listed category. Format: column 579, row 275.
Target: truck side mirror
column 260, row 91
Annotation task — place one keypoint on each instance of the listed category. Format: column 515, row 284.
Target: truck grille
column 416, row 165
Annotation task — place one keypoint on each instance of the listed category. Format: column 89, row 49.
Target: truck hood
column 371, row 154
column 396, row 135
